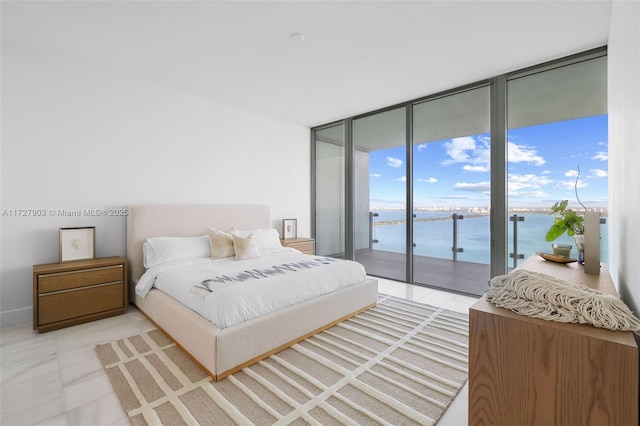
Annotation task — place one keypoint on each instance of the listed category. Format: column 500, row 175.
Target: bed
column 223, row 351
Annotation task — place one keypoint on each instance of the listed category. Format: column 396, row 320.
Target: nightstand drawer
column 68, row 280
column 78, row 303
column 304, row 246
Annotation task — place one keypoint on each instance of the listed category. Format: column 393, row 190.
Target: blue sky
column 542, row 167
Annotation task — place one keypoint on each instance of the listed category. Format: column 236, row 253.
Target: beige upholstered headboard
column 146, row 221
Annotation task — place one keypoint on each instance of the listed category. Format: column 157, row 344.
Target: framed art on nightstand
column 289, row 228
column 77, row 243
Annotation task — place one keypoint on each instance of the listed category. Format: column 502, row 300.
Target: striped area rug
column 399, row 363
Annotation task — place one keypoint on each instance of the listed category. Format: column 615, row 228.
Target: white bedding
column 233, row 302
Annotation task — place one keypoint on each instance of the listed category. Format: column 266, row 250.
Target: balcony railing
column 525, row 238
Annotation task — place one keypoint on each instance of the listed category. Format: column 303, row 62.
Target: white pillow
column 265, row 238
column 159, row 250
column 245, row 248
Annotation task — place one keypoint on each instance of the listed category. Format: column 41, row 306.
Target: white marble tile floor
column 55, row 378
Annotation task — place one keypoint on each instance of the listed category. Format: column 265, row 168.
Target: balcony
column 459, row 276
column 451, row 253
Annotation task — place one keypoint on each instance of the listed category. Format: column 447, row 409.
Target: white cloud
column 460, row 149
column 601, row 155
column 599, row 172
column 523, row 154
column 468, row 168
column 528, row 194
column 517, row 182
column 422, row 146
column 394, row 162
column 429, row 180
column 546, row 172
column 570, row 184
column 468, row 150
column 375, row 175
column 402, row 179
column 571, row 173
column 483, row 187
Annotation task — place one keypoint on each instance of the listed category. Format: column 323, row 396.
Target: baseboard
column 16, row 316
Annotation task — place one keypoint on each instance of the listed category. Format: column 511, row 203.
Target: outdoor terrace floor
column 461, row 277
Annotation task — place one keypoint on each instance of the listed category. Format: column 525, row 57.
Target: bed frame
column 221, row 352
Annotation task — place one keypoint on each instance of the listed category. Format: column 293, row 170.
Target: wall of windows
column 428, row 189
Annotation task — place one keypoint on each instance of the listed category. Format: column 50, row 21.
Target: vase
column 579, row 239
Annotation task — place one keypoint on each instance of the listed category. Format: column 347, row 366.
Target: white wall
column 624, row 149
column 78, row 137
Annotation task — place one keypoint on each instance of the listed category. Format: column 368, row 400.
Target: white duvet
column 234, row 301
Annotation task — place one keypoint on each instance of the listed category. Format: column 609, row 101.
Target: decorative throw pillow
column 265, row 238
column 221, row 243
column 245, row 248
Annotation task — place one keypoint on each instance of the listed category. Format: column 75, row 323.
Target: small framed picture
column 77, row 243
column 289, row 228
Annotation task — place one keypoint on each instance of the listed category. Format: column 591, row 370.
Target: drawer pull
column 79, row 288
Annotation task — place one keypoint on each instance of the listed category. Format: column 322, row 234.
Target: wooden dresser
column 305, row 245
column 71, row 293
column 526, row 371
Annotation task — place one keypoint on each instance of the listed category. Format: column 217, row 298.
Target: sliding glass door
column 329, row 168
column 557, row 150
column 451, row 191
column 380, row 200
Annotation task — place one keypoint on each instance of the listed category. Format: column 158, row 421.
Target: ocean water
column 434, row 238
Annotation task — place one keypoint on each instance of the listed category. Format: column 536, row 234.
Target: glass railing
column 464, row 236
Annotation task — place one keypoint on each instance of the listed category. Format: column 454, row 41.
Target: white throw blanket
column 541, row 296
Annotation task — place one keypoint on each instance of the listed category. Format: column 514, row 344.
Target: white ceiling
column 356, row 56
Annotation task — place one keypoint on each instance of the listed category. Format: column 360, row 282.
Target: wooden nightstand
column 305, row 245
column 72, row 293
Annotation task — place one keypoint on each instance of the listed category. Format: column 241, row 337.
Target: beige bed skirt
column 224, row 351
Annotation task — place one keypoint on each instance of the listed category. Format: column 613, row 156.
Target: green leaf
column 557, row 229
column 560, row 207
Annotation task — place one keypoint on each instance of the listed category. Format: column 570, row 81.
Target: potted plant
column 568, row 220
